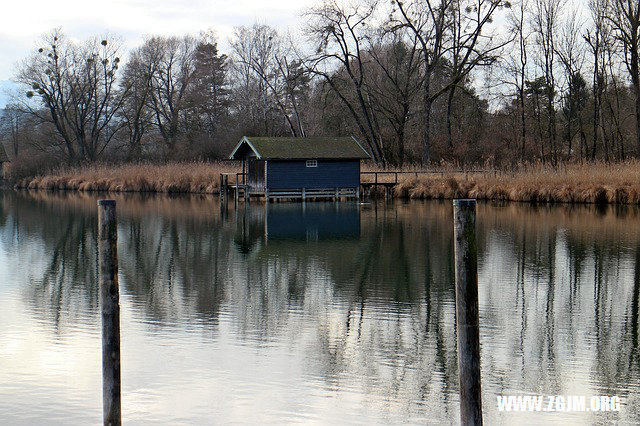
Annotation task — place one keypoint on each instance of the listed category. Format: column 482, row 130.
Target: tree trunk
column 552, row 129
column 569, row 134
column 596, row 116
column 426, row 134
column 449, row 108
column 523, row 122
column 605, row 138
column 596, row 104
column 583, row 137
column 635, row 77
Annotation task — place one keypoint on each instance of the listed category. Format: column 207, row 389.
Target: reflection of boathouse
column 313, row 222
column 297, row 222
column 315, row 167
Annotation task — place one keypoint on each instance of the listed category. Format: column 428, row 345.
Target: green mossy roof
column 3, row 154
column 275, row 148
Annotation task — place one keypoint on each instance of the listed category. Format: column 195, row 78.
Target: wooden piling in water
column 236, row 194
column 467, row 318
column 221, row 186
column 110, row 311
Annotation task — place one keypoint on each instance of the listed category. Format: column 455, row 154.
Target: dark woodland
column 418, row 82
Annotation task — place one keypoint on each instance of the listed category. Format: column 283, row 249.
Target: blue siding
column 317, row 221
column 328, row 174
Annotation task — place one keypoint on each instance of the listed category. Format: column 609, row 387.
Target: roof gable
column 275, row 148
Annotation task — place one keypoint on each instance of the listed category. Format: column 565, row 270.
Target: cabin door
column 256, row 173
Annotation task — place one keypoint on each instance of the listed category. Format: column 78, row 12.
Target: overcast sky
column 22, row 22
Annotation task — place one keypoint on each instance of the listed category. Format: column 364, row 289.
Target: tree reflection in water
column 361, row 295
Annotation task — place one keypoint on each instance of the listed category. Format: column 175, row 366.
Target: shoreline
column 597, row 195
column 194, row 178
column 448, row 189
column 596, row 183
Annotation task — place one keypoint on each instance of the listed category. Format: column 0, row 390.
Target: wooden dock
column 233, row 185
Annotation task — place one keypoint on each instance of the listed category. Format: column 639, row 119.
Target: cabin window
column 312, row 163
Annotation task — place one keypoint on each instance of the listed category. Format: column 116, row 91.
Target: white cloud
column 23, row 22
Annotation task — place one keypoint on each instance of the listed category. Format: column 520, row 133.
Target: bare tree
column 76, row 85
column 624, row 16
column 281, row 80
column 614, row 99
column 430, row 20
column 171, row 80
column 138, row 76
column 516, row 64
column 571, row 52
column 403, row 76
column 395, row 85
column 545, row 16
column 598, row 37
column 13, row 123
column 339, row 35
column 295, row 85
column 253, row 48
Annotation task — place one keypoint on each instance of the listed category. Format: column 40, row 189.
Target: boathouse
column 313, row 167
column 3, row 159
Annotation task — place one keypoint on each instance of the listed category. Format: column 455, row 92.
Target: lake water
column 327, row 313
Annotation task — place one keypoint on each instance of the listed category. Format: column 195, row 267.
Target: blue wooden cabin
column 314, row 167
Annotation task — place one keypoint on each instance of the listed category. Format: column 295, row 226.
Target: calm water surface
column 322, row 314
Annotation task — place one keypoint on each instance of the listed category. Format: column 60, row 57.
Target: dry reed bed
column 197, row 178
column 589, row 183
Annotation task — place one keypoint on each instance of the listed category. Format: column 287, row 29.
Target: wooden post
column 467, row 322
column 223, row 198
column 245, row 172
column 110, row 309
column 236, row 195
column 221, row 186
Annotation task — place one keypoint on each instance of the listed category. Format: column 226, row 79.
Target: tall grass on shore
column 195, row 177
column 617, row 183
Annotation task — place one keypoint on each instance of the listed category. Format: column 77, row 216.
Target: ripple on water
column 222, row 323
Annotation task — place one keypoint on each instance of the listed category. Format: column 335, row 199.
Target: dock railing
column 391, row 176
column 236, row 183
column 379, row 177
